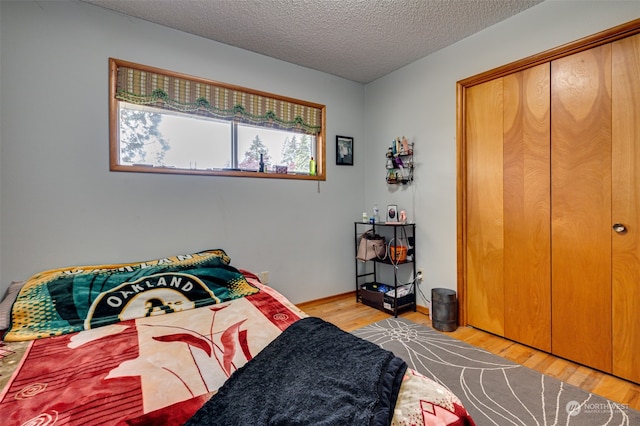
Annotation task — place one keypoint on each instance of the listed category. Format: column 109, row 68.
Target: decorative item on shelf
column 398, row 253
column 389, row 163
column 261, row 169
column 392, row 214
column 312, row 167
column 282, row 169
column 400, row 161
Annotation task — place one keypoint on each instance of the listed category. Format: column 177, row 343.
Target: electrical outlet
column 419, row 275
column 264, row 277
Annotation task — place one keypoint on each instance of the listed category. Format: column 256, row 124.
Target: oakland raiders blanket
column 67, row 300
column 312, row 374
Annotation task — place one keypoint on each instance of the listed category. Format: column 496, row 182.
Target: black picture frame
column 344, row 151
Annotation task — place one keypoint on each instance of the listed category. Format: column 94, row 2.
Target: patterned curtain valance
column 179, row 93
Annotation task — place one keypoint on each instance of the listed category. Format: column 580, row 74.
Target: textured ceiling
column 360, row 40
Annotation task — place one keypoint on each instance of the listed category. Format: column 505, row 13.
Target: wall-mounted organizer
column 400, row 162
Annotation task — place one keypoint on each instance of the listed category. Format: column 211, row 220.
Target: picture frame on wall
column 392, row 213
column 344, row 150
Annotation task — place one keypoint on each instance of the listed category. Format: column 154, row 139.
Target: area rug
column 495, row 391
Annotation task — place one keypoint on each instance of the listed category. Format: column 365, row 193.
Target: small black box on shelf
column 374, row 295
column 371, row 295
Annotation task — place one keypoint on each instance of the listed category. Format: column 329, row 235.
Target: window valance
column 148, row 86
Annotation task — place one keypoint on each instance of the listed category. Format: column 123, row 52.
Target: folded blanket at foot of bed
column 313, row 373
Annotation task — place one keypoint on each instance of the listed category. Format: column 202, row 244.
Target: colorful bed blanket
column 161, row 370
column 154, row 370
column 67, row 300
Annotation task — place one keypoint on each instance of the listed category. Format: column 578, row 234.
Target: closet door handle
column 619, row 228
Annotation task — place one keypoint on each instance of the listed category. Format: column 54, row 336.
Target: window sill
column 138, row 168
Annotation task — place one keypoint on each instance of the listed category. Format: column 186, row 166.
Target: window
column 164, row 122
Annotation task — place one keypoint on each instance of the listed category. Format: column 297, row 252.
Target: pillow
column 7, row 302
column 66, row 300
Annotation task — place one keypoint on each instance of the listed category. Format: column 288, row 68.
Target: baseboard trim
column 326, row 299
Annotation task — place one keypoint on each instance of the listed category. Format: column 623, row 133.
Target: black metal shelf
column 368, row 279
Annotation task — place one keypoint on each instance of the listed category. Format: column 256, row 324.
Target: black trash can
column 444, row 309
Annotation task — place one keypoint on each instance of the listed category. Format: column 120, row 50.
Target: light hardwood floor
column 346, row 313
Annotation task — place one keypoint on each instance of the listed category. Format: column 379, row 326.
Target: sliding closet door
column 581, row 207
column 626, row 208
column 527, row 234
column 484, row 248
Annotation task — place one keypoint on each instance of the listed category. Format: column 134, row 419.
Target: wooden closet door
column 626, row 207
column 527, row 233
column 484, row 266
column 581, row 207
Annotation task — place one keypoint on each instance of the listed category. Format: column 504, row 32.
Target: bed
column 190, row 339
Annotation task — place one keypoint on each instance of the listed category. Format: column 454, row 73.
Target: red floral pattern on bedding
column 122, row 371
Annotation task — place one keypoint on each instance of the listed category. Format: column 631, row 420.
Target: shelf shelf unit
column 368, row 272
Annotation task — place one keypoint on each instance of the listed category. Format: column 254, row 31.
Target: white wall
column 61, row 206
column 419, row 101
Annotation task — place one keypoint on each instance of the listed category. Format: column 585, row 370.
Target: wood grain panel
column 626, row 207
column 485, row 289
column 527, row 210
column 581, row 207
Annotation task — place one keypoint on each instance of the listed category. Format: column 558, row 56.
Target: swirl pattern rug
column 494, row 390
